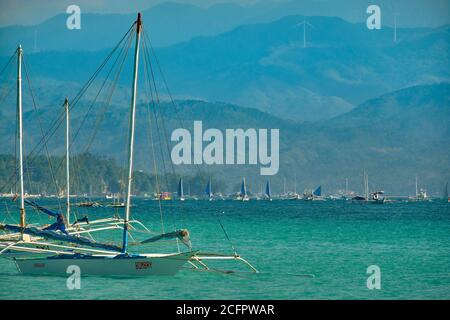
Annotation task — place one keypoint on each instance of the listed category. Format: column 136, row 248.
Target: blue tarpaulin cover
column 55, row 235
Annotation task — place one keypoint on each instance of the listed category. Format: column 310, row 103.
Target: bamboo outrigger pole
column 131, row 135
column 20, row 133
column 66, row 106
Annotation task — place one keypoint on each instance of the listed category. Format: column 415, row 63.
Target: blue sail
column 243, row 188
column 268, row 193
column 180, row 191
column 208, row 189
column 318, row 191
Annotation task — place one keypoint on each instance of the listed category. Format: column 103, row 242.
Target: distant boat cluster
column 115, row 200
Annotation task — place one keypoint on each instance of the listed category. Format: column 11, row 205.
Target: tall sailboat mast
column 243, row 188
column 208, row 190
column 19, row 111
column 180, row 191
column 417, row 188
column 295, row 182
column 366, row 185
column 66, row 106
column 131, row 135
column 268, row 192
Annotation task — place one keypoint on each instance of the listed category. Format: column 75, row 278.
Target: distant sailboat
column 318, row 191
column 309, row 195
column 317, row 194
column 208, row 190
column 421, row 194
column 243, row 196
column 116, row 201
column 295, row 196
column 268, row 192
column 445, row 195
column 180, row 191
column 89, row 203
column 370, row 198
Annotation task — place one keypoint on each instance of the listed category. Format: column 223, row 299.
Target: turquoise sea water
column 336, row 242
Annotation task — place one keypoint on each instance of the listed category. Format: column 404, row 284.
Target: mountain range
column 265, row 65
column 393, row 137
column 348, row 99
column 173, row 22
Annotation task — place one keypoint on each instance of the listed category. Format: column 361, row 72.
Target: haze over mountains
column 221, row 15
column 352, row 99
column 265, row 66
column 393, row 138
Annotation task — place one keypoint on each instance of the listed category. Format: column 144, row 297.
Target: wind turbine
column 35, row 40
column 395, row 27
column 393, row 6
column 304, row 23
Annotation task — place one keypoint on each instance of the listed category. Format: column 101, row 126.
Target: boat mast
column 66, row 106
column 366, row 185
column 295, row 182
column 131, row 135
column 210, row 194
column 417, row 188
column 180, row 189
column 19, row 111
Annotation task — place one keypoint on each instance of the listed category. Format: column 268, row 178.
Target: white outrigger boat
column 119, row 262
column 51, row 250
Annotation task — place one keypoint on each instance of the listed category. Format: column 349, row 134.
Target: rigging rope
column 59, row 118
column 149, row 121
column 41, row 130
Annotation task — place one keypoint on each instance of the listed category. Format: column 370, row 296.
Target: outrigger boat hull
column 141, row 265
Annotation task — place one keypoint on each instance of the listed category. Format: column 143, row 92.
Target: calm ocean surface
column 335, row 242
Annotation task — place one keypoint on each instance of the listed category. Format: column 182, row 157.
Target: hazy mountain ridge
column 265, row 66
column 172, row 22
column 393, row 137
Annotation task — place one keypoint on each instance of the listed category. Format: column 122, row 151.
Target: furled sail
column 55, row 235
column 182, row 235
column 58, row 225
